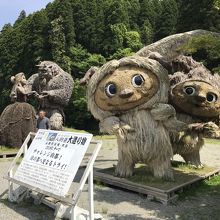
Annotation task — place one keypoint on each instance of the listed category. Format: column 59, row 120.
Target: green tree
column 133, row 8
column 147, row 33
column 117, row 23
column 199, row 14
column 57, row 42
column 166, row 24
column 149, row 12
column 77, row 115
column 82, row 60
column 20, row 18
column 120, row 53
column 205, row 49
column 33, row 32
column 65, row 10
column 132, row 40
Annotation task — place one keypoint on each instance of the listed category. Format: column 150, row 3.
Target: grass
column 212, row 141
column 182, row 173
column 104, row 210
column 6, row 149
column 209, row 187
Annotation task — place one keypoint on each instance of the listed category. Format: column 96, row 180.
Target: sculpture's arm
column 167, row 114
column 113, row 125
column 161, row 111
column 58, row 96
column 207, row 130
column 31, row 84
column 88, row 75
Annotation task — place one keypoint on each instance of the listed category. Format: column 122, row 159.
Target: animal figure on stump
column 129, row 97
column 19, row 118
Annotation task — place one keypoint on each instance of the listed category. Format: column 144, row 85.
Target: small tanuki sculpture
column 19, row 118
column 54, row 87
column 129, row 97
column 195, row 94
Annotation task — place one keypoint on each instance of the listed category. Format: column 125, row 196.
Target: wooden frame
column 164, row 196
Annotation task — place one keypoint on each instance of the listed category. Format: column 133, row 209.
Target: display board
column 52, row 160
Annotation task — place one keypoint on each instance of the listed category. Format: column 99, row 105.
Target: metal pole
column 25, row 144
column 73, row 213
column 91, row 196
column 10, row 187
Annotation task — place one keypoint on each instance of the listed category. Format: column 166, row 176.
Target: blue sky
column 10, row 9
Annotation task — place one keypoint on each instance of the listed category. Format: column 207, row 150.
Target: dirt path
column 117, row 204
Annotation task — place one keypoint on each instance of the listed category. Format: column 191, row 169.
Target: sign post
column 50, row 165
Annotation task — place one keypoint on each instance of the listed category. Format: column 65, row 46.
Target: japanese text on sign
column 52, row 160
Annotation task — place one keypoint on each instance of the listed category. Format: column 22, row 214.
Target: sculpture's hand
column 195, row 127
column 42, row 96
column 113, row 125
column 127, row 127
column 45, row 93
column 208, row 129
column 125, row 131
column 34, row 93
column 110, row 125
column 211, row 130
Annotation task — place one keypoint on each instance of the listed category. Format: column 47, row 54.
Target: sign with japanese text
column 52, row 160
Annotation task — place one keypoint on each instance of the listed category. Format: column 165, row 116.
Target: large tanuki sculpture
column 54, row 87
column 19, row 118
column 129, row 99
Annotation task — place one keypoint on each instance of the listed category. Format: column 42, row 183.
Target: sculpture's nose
column 200, row 98
column 126, row 93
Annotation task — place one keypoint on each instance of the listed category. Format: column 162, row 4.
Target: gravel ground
column 117, row 204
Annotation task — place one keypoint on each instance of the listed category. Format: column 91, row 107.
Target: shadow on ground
column 28, row 210
column 201, row 202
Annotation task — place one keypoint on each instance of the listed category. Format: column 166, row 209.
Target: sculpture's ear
column 13, row 79
column 177, row 78
column 88, row 75
column 156, row 56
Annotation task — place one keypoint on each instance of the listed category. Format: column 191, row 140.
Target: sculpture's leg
column 125, row 166
column 193, row 158
column 162, row 169
column 56, row 121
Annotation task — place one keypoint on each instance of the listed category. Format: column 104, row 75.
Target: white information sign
column 52, row 160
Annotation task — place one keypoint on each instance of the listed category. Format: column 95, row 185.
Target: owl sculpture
column 129, row 97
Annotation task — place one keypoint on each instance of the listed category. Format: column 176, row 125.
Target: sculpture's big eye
column 211, row 97
column 189, row 90
column 110, row 89
column 137, row 80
